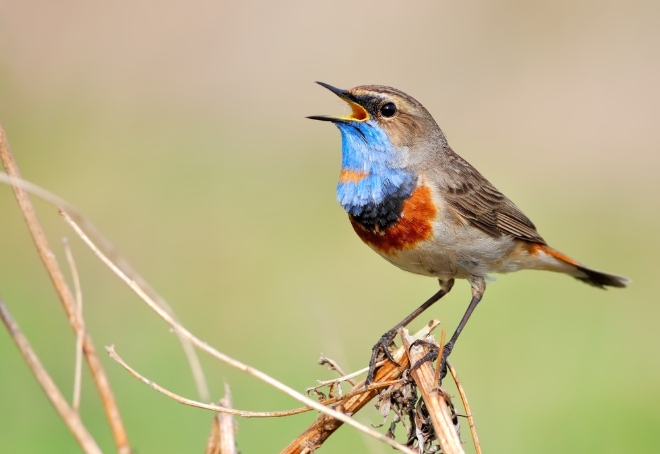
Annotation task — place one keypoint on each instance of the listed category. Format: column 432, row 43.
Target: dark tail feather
column 600, row 279
column 581, row 272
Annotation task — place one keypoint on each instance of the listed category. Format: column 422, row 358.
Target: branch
column 434, row 397
column 70, row 417
column 77, row 382
column 65, row 296
column 192, row 403
column 314, row 436
column 222, row 439
column 188, row 349
column 232, row 411
column 461, row 392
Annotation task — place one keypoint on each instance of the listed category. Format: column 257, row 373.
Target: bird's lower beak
column 358, row 113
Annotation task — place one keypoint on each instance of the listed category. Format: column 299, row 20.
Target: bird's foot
column 382, row 346
column 443, row 362
column 432, row 355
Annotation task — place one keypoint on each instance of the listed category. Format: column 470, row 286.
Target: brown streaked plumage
column 465, row 228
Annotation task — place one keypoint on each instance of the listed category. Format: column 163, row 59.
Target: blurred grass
column 202, row 170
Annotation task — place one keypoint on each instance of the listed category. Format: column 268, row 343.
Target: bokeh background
column 179, row 130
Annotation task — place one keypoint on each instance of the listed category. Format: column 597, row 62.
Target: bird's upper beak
column 358, row 113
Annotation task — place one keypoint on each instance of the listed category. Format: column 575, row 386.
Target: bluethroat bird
column 426, row 210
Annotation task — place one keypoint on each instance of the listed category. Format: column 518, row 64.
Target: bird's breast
column 412, row 224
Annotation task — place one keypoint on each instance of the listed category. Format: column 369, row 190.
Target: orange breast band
column 414, row 225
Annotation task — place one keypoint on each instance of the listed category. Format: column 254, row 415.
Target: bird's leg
column 478, row 288
column 385, row 340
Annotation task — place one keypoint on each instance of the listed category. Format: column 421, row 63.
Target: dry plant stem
column 65, row 296
column 213, row 443
column 461, row 392
column 222, row 439
column 219, row 355
column 232, row 411
column 324, row 426
column 69, row 416
column 332, row 364
column 192, row 403
column 354, row 391
column 424, row 377
column 77, row 381
column 227, row 426
column 188, row 349
column 347, row 377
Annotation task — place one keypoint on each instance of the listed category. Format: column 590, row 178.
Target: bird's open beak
column 358, row 113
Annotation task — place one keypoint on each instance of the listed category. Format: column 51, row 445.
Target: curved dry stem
column 343, row 377
column 70, row 417
column 185, row 401
column 461, row 392
column 188, row 349
column 232, row 411
column 77, row 381
column 64, row 293
column 332, row 365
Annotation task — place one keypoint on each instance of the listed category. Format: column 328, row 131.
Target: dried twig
column 335, row 381
column 222, row 439
column 461, row 392
column 233, row 411
column 213, row 443
column 227, row 426
column 441, row 349
column 77, row 381
column 120, row 262
column 219, row 355
column 314, row 436
column 65, row 296
column 69, row 416
column 192, row 403
column 332, row 365
column 434, row 397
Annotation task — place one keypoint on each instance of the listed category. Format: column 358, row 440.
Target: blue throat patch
column 375, row 200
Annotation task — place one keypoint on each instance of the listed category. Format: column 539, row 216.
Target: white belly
column 457, row 251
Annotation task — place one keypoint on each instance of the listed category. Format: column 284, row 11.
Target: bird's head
column 386, row 141
column 385, row 117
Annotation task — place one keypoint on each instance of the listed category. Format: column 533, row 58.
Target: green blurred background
column 179, row 130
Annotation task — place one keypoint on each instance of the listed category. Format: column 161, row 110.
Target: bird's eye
column 388, row 110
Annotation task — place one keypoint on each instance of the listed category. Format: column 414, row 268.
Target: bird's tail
column 585, row 274
column 600, row 279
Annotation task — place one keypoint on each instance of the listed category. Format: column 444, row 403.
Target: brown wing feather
column 477, row 200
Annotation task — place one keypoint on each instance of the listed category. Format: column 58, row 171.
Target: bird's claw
column 382, row 346
column 432, row 355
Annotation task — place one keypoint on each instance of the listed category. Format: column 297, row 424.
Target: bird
column 426, row 210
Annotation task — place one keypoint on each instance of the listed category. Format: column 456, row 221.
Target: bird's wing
column 477, row 200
